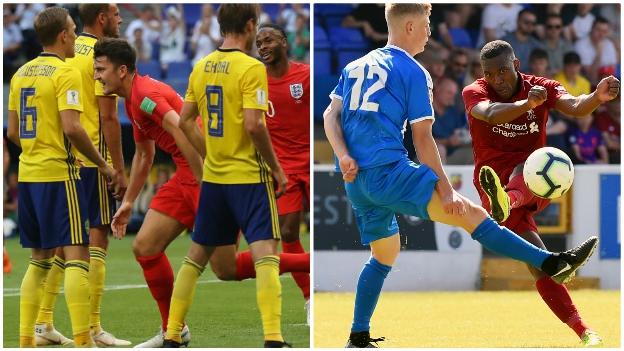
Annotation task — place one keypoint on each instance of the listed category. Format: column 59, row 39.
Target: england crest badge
column 296, row 90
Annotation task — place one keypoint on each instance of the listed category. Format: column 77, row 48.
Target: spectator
column 371, row 19
column 458, row 66
column 451, row 32
column 25, row 14
column 150, row 23
column 587, row 143
column 206, row 34
column 172, row 39
column 522, row 40
column 571, row 77
column 597, row 50
column 434, row 62
column 608, row 123
column 497, row 20
column 611, row 12
column 554, row 43
column 582, row 23
column 12, row 44
column 299, row 40
column 288, row 16
column 142, row 46
column 264, row 17
column 542, row 12
column 475, row 71
column 538, row 63
column 556, row 129
column 450, row 129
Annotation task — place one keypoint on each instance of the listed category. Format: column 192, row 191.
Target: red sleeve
column 472, row 95
column 554, row 90
column 154, row 105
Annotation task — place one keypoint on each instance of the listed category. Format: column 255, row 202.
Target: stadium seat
column 192, row 14
column 121, row 112
column 322, row 52
column 150, row 68
column 323, row 85
column 179, row 85
column 331, row 15
column 347, row 38
column 179, row 70
column 272, row 10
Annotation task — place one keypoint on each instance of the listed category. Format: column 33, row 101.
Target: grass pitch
column 223, row 314
column 467, row 319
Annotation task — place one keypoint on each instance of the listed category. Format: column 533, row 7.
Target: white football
column 548, row 173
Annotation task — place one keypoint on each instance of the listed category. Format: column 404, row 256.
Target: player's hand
column 122, row 185
column 608, row 89
column 108, row 172
column 452, row 203
column 281, row 180
column 537, row 96
column 121, row 220
column 79, row 163
column 348, row 167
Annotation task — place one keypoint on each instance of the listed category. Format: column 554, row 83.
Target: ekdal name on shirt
column 217, row 67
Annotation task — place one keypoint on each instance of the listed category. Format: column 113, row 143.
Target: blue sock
column 504, row 242
column 367, row 293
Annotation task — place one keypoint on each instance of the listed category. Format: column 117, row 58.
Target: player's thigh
column 76, row 252
column 98, row 236
column 41, row 254
column 262, row 248
column 474, row 214
column 156, row 233
column 386, row 250
column 289, row 226
column 101, row 204
column 215, row 223
column 223, row 262
column 255, row 210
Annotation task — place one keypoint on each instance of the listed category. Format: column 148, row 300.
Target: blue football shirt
column 380, row 93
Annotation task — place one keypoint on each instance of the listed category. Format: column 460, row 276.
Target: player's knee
column 223, row 272
column 141, row 247
column 288, row 235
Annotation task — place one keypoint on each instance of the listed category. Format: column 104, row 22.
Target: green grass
column 474, row 319
column 223, row 314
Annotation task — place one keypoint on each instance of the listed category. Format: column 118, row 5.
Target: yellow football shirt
column 581, row 87
column 90, row 118
column 39, row 90
column 223, row 84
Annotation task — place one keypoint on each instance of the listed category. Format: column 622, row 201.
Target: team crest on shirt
column 296, row 90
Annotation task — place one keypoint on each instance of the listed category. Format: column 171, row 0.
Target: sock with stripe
column 289, row 262
column 560, row 302
column 302, row 279
column 367, row 293
column 77, row 298
column 519, row 194
column 31, row 291
column 52, row 287
column 182, row 297
column 97, row 275
column 269, row 297
column 159, row 278
column 504, row 242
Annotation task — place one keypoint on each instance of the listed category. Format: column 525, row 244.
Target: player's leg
column 156, row 233
column 501, row 200
column 77, row 292
column 289, row 226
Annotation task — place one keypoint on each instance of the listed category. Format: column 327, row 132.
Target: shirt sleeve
column 472, row 95
column 69, row 90
column 254, row 87
column 12, row 95
column 154, row 105
column 554, row 92
column 190, row 95
column 337, row 92
column 419, row 98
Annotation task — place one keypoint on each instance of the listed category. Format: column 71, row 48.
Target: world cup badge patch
column 296, row 90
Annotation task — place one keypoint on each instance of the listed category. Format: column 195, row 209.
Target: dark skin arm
column 581, row 106
column 503, row 112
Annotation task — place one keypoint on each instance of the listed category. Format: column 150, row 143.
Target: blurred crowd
column 575, row 44
column 161, row 33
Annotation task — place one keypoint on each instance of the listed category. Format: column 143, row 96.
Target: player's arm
column 603, row 154
column 427, row 153
column 333, row 130
column 170, row 123
column 141, row 165
column 259, row 134
column 112, row 136
column 189, row 127
column 503, row 112
column 13, row 128
column 581, row 106
column 70, row 121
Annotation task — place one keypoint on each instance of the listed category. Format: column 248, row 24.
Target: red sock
column 519, row 194
column 159, row 277
column 302, row 279
column 288, row 263
column 559, row 301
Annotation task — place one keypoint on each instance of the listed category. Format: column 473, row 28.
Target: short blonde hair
column 395, row 11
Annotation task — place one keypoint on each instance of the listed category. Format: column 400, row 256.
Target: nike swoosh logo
column 564, row 269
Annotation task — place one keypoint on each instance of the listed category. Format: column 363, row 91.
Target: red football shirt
column 506, row 145
column 288, row 118
column 149, row 101
column 607, row 124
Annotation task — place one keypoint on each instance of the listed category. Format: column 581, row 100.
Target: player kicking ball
column 500, row 106
column 375, row 97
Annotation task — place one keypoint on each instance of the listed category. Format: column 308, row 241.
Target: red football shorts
column 297, row 195
column 178, row 198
